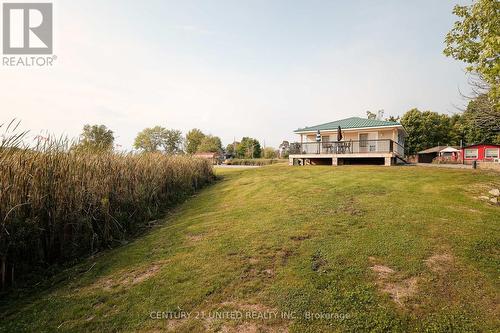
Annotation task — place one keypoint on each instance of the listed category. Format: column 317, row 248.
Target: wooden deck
column 382, row 152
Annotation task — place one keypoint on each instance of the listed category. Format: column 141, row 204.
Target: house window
column 471, row 153
column 363, row 140
column 491, row 153
column 401, row 138
column 325, row 141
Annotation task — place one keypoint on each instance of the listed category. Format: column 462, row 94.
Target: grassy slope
column 295, row 239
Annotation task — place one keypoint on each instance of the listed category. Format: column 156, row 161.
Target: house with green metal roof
column 352, row 140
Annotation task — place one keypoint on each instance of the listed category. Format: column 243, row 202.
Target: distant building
column 481, row 152
column 214, row 158
column 446, row 152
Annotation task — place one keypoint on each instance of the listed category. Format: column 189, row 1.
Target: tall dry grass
column 57, row 204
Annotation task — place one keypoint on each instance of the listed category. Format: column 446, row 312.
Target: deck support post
column 335, row 161
column 388, row 161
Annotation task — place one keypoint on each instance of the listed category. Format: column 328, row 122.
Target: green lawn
column 364, row 248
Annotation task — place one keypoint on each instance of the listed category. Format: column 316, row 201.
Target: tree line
column 171, row 141
column 428, row 129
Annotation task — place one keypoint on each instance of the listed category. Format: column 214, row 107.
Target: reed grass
column 58, row 203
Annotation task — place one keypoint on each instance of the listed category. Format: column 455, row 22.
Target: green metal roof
column 353, row 122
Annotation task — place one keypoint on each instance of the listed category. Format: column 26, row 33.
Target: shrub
column 446, row 160
column 269, row 153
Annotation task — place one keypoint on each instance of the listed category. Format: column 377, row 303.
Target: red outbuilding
column 481, row 152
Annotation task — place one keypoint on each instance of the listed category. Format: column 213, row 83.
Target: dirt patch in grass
column 299, row 238
column 195, row 238
column 318, row 262
column 141, row 276
column 390, row 282
column 253, row 325
column 127, row 278
column 251, row 273
column 465, row 209
column 212, row 324
column 284, row 255
column 382, row 270
column 400, row 291
column 276, row 257
column 253, row 328
column 174, row 324
column 350, row 207
column 257, row 307
column 244, row 328
column 268, row 272
column 440, row 263
column 265, row 264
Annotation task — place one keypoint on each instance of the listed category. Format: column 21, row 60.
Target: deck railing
column 351, row 147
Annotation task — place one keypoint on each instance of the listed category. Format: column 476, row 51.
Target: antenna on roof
column 380, row 114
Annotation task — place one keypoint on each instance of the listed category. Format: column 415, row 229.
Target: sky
column 234, row 68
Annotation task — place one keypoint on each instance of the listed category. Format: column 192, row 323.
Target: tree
column 480, row 123
column 284, row 149
column 156, row 138
column 173, row 143
column 412, row 122
column 294, row 148
column 392, row 118
column 150, row 139
column 193, row 140
column 426, row 129
column 269, row 152
column 474, row 40
column 96, row 138
column 457, row 130
column 211, row 144
column 248, row 148
column 231, row 148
